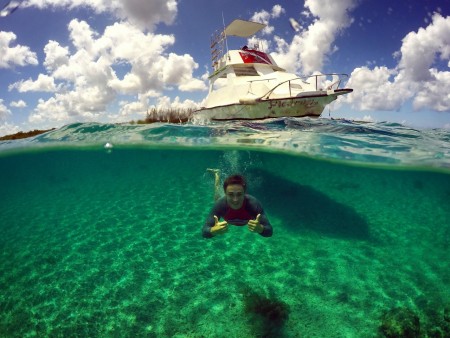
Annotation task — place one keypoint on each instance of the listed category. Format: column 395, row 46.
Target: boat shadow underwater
column 303, row 208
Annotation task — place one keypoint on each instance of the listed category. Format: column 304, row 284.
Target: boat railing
column 319, row 80
column 251, row 82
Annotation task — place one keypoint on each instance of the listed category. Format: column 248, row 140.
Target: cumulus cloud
column 145, row 14
column 178, row 70
column 376, row 89
column 368, row 118
column 132, row 109
column 92, row 77
column 129, row 109
column 8, row 128
column 264, row 17
column 18, row 104
column 175, row 109
column 148, row 13
column 309, row 48
column 14, row 56
column 419, row 49
column 435, row 93
column 44, row 83
column 5, row 127
column 56, row 56
column 414, row 78
column 379, row 88
column 166, row 102
column 4, row 111
column 47, row 112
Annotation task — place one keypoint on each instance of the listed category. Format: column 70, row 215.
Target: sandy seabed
column 109, row 244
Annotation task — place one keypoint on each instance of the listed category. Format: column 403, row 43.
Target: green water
column 98, row 244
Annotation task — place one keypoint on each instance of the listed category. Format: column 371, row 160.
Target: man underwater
column 236, row 208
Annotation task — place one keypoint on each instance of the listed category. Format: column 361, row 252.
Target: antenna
column 225, row 35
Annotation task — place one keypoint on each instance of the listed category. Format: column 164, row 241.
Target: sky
column 65, row 61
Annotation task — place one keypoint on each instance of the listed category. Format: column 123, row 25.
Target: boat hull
column 303, row 106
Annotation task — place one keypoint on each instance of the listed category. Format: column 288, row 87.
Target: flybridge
column 239, row 28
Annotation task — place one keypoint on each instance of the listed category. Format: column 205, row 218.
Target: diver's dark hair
column 235, row 179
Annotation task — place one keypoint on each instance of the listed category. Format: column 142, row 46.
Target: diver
column 236, row 208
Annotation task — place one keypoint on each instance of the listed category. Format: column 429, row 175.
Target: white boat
column 248, row 84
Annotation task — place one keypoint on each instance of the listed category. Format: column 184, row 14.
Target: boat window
column 296, row 86
column 245, row 71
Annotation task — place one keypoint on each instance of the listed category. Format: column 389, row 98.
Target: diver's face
column 235, row 195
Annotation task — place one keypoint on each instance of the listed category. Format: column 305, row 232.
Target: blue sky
column 64, row 61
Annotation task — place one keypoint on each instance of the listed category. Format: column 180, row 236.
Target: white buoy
column 108, row 145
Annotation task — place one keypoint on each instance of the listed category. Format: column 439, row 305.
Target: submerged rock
column 400, row 323
column 267, row 315
column 441, row 327
column 447, row 314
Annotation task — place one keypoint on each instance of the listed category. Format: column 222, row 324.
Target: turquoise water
column 106, row 242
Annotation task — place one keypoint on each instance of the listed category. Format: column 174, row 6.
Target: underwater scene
column 101, row 231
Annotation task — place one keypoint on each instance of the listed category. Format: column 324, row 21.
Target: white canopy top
column 243, row 28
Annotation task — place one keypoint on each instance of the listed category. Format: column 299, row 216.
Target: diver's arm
column 212, row 221
column 264, row 221
column 257, row 209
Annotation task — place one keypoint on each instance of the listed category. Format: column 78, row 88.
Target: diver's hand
column 255, row 226
column 219, row 228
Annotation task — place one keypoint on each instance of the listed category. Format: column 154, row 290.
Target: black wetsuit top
column 249, row 210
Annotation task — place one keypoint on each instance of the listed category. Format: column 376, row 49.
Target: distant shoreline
column 22, row 134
